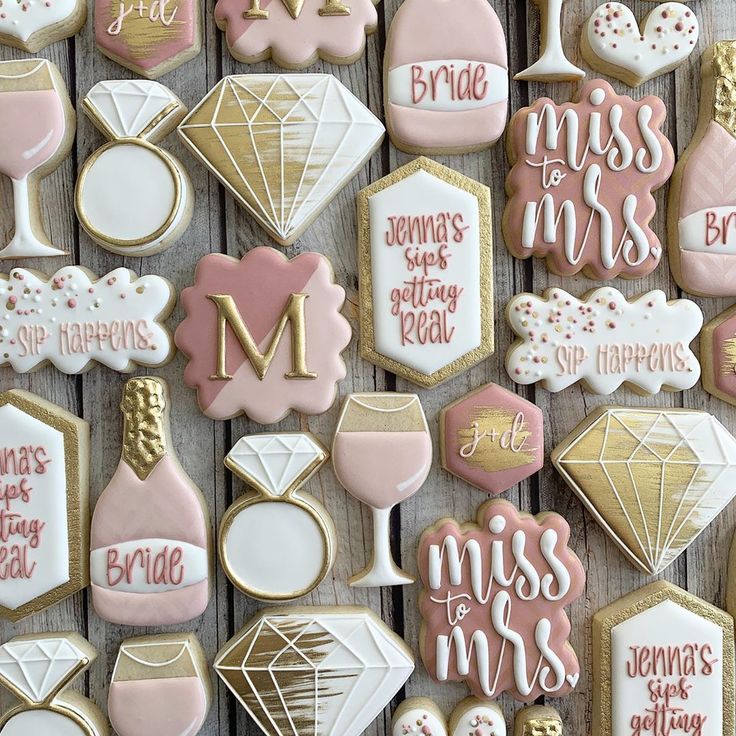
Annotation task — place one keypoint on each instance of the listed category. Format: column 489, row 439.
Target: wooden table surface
column 219, row 225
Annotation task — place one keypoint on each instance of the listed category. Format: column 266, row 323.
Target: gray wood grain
column 221, row 226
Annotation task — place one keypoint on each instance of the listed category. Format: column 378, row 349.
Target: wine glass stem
column 553, row 40
column 382, row 559
column 22, row 209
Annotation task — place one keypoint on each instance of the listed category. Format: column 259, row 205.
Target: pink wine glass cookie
column 580, row 190
column 447, row 83
column 264, row 335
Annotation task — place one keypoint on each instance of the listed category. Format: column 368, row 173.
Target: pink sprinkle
column 122, row 296
column 12, row 299
column 72, row 303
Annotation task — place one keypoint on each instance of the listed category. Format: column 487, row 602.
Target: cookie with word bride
column 663, row 663
column 701, row 216
column 35, row 24
column 580, row 189
column 446, row 77
column 614, row 44
column 470, row 717
column 264, row 335
column 604, row 341
column 493, row 603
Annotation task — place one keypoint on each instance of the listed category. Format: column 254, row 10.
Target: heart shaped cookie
column 613, row 43
column 422, row 717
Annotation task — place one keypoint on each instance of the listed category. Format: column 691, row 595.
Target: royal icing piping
column 447, row 81
column 286, row 178
column 360, row 662
column 74, row 318
column 21, row 20
column 669, row 36
column 498, row 630
column 604, row 341
column 296, row 32
column 582, row 180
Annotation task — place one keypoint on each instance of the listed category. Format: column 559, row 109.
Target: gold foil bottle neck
column 144, row 428
column 724, row 93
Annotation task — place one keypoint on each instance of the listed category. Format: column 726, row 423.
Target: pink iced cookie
column 295, row 33
column 492, row 438
column 447, row 82
column 580, row 190
column 264, row 335
column 493, row 606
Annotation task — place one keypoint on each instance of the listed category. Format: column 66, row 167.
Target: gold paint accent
column 724, row 92
column 728, row 357
column 171, row 114
column 293, row 315
column 294, row 7
column 255, row 12
column 365, row 274
column 145, row 428
column 333, row 8
column 543, row 727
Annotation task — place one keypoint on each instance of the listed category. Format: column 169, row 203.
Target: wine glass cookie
column 278, row 542
column 37, row 125
column 34, row 24
column 471, row 717
column 132, row 197
column 36, row 668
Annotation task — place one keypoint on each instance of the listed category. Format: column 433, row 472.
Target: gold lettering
column 334, row 7
column 255, row 12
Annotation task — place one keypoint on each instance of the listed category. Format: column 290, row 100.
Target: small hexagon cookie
column 492, row 438
column 718, row 356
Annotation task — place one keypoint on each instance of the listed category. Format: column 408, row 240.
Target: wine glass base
column 564, row 71
column 377, row 578
column 25, row 247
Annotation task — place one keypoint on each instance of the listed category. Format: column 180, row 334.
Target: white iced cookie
column 614, row 44
column 32, row 25
column 132, row 197
column 471, row 717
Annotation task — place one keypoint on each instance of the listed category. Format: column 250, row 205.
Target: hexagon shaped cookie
column 44, row 523
column 492, row 438
column 718, row 356
column 426, row 282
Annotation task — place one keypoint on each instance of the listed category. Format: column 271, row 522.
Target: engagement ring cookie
column 446, row 77
column 160, row 687
column 338, row 668
column 296, row 33
column 277, row 542
column 34, row 24
column 701, row 216
column 426, row 272
column 132, row 197
column 74, row 319
column 37, row 669
column 604, row 340
column 663, row 663
column 151, row 552
column 652, row 478
column 44, row 516
column 149, row 37
column 538, row 720
column 264, row 335
column 471, row 717
column 500, row 631
column 282, row 144
column 37, row 127
column 580, row 190
column 492, row 438
column 613, row 44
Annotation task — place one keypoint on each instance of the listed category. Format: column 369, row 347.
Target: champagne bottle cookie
column 151, row 549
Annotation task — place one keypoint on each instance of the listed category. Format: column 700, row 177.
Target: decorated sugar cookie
column 264, row 335
column 552, row 65
column 277, row 542
column 296, row 33
column 652, row 478
column 150, row 37
column 34, row 24
column 500, row 631
column 471, row 717
column 446, row 77
column 300, row 138
column 604, row 340
column 74, row 319
column 492, row 438
column 580, row 190
column 130, row 174
column 339, row 667
column 160, row 687
column 613, row 44
column 37, row 669
column 538, row 720
column 382, row 454
column 426, row 272
column 702, row 205
column 151, row 558
column 663, row 662
column 44, row 486
column 718, row 356
column 37, row 125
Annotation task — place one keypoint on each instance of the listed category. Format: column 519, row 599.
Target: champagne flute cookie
column 37, row 669
column 278, row 542
column 132, row 197
column 37, row 125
